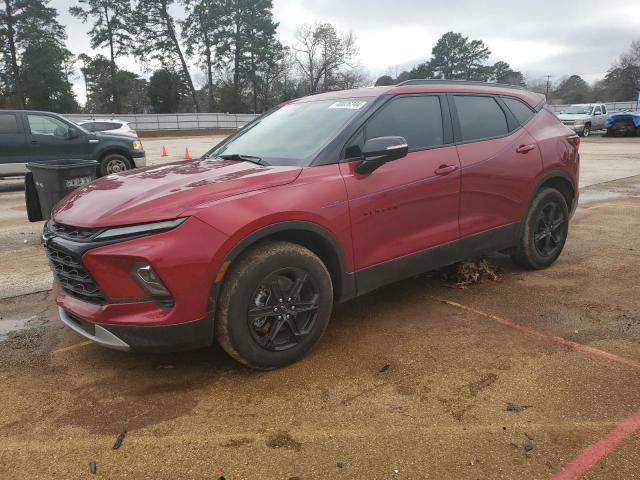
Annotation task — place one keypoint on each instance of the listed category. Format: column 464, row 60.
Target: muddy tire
column 274, row 306
column 114, row 163
column 544, row 232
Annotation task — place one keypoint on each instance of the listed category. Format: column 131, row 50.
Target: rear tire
column 274, row 305
column 114, row 163
column 544, row 232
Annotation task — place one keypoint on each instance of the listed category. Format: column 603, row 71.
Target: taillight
column 575, row 141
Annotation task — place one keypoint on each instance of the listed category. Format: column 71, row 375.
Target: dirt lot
column 501, row 380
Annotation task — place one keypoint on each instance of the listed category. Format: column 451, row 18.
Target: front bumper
column 167, row 338
column 99, row 299
column 575, row 128
column 139, row 161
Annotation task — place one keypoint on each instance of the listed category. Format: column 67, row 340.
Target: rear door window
column 604, row 109
column 416, row 118
column 8, row 123
column 480, row 117
column 520, row 110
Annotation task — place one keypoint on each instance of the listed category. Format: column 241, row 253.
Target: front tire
column 544, row 232
column 274, row 305
column 114, row 163
column 586, row 131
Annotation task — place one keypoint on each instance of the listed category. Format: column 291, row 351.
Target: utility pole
column 548, row 77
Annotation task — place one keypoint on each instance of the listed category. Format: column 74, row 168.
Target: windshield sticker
column 349, row 104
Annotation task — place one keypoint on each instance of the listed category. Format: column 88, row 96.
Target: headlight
column 137, row 145
column 580, row 121
column 132, row 230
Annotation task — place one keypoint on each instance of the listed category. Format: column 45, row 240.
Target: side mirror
column 380, row 150
column 72, row 133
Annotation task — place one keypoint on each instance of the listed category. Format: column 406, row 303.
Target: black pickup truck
column 27, row 136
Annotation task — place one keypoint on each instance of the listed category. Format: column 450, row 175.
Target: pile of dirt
column 468, row 272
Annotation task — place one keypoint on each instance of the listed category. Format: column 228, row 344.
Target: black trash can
column 53, row 179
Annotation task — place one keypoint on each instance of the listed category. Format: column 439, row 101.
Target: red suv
column 317, row 201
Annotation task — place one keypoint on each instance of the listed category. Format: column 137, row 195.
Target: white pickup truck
column 584, row 118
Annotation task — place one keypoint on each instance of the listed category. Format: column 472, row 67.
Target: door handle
column 34, row 142
column 525, row 148
column 445, row 169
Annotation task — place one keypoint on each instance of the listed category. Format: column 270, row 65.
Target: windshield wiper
column 243, row 158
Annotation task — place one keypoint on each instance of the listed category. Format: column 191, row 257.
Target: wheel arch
column 309, row 235
column 560, row 181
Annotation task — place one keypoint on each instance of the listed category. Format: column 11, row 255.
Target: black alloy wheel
column 283, row 309
column 548, row 235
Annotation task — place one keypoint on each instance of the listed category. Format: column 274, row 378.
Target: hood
column 164, row 192
column 573, row 116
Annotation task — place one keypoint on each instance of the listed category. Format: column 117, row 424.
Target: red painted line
column 550, row 338
column 591, row 455
column 588, row 457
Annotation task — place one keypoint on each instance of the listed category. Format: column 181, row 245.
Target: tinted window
column 8, row 123
column 520, row 110
column 44, row 125
column 90, row 127
column 480, row 117
column 417, row 119
column 604, row 109
column 102, row 126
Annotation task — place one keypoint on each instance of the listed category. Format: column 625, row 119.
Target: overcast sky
column 538, row 37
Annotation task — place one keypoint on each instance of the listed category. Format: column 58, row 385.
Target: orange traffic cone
column 186, row 154
column 164, row 151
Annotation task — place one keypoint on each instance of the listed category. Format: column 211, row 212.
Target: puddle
column 8, row 325
column 590, row 196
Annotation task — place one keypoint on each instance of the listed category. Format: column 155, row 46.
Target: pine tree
column 39, row 64
column 156, row 38
column 110, row 29
column 201, row 33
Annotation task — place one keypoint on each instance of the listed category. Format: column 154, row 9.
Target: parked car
column 584, row 118
column 119, row 127
column 27, row 136
column 320, row 200
column 623, row 124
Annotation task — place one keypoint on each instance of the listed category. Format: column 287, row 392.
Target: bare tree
column 321, row 52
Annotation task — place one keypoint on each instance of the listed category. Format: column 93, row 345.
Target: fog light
column 148, row 279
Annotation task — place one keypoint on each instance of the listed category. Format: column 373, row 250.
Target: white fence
column 611, row 107
column 174, row 121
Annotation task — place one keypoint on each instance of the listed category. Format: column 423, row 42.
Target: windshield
column 294, row 133
column 578, row 109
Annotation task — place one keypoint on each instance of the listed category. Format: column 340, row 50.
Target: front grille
column 568, row 122
column 72, row 233
column 73, row 277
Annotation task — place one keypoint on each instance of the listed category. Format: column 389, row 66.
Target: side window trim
column 447, row 122
column 456, row 121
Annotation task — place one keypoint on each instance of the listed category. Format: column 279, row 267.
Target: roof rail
column 435, row 81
